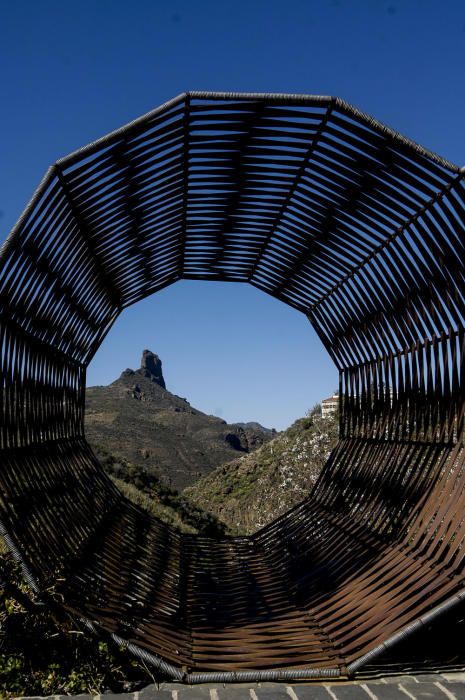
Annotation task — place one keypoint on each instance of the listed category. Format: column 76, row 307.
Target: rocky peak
column 150, row 367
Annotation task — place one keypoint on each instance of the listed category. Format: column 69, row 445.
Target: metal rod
column 406, row 631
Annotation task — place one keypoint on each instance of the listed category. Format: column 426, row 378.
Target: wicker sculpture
column 343, row 219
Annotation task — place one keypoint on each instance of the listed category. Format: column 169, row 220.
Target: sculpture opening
column 346, row 221
column 220, row 343
column 233, row 366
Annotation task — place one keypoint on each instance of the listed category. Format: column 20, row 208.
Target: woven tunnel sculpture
column 336, row 215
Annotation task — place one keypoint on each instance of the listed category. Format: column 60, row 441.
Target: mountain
column 258, row 427
column 253, row 490
column 137, row 419
column 233, row 477
column 147, row 491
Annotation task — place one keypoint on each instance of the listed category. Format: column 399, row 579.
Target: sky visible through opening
column 71, row 72
column 231, row 350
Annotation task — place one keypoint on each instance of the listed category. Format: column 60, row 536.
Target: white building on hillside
column 329, row 406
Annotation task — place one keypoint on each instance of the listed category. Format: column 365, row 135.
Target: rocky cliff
column 137, row 419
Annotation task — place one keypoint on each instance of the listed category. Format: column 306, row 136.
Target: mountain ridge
column 168, row 437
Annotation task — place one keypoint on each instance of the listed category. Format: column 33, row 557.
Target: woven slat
column 343, row 219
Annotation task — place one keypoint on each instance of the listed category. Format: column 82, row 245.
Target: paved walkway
column 434, row 686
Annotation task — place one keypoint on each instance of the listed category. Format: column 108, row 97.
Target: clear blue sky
column 73, row 70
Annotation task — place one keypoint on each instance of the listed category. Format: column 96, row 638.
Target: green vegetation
column 251, row 491
column 40, row 655
column 243, row 495
column 147, row 491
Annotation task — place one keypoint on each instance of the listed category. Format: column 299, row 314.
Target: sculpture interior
column 361, row 230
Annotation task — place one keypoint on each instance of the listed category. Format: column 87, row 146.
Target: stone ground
column 432, row 686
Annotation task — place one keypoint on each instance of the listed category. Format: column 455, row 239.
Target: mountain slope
column 149, row 493
column 252, row 491
column 137, row 419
